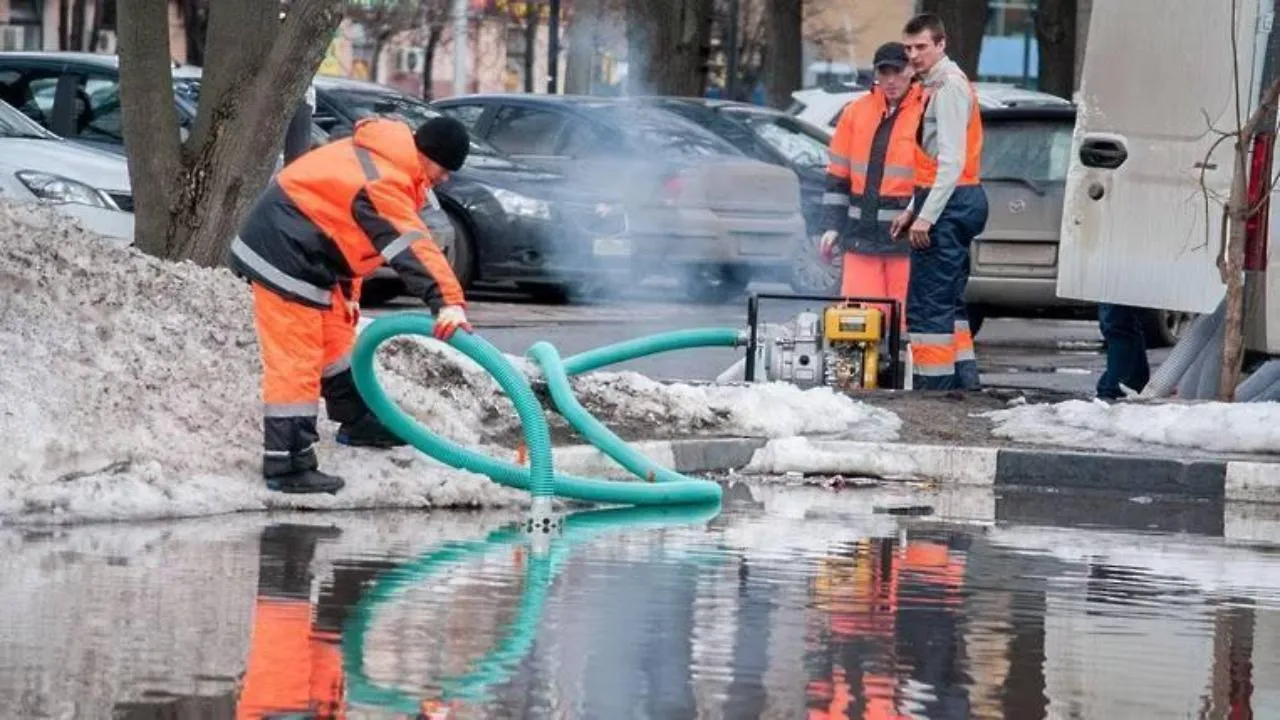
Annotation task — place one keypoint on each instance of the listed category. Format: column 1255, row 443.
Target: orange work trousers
column 878, row 276
column 302, row 348
column 292, row 667
column 300, row 345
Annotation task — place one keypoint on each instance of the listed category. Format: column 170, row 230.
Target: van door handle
column 1105, row 153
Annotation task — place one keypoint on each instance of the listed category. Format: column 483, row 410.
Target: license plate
column 611, row 247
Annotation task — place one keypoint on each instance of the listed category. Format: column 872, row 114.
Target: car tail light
column 1259, row 193
column 672, row 188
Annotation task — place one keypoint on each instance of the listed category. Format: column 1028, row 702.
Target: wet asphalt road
column 1057, row 355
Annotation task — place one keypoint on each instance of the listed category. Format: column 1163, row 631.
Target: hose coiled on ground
column 662, row 486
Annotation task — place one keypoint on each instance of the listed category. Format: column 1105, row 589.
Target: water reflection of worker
column 295, row 664
column 891, row 614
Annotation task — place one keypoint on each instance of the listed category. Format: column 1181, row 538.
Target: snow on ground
column 129, row 389
column 1202, row 426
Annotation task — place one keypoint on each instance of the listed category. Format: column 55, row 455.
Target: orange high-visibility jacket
column 871, row 171
column 926, row 165
column 339, row 212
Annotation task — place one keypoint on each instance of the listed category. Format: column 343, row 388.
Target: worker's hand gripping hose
column 540, row 478
column 497, row 665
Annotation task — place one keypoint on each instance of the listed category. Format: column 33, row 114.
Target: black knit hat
column 444, row 140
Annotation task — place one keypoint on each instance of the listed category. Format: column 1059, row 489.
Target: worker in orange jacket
column 331, row 217
column 870, row 180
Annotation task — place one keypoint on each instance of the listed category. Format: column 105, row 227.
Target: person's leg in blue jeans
column 1121, row 327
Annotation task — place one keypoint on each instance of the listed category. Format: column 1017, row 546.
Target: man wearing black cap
column 870, row 181
column 326, row 221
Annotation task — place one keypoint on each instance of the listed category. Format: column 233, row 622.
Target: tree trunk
column 579, row 69
column 966, row 21
column 96, row 29
column 190, row 198
column 668, row 45
column 530, row 44
column 429, row 60
column 1233, row 273
column 64, row 25
column 77, row 25
column 379, row 43
column 195, row 27
column 1056, row 36
column 784, row 71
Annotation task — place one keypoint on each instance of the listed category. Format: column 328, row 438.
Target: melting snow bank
column 1208, row 426
column 130, row 390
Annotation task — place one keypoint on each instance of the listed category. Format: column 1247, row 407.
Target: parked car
column 513, row 223
column 821, row 107
column 89, row 185
column 773, row 136
column 76, row 96
column 695, row 205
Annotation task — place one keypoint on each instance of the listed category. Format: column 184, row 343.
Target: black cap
column 891, row 54
column 444, row 140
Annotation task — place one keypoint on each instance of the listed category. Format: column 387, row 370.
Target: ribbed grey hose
column 1262, row 385
column 1184, row 353
column 1206, row 387
column 1271, row 394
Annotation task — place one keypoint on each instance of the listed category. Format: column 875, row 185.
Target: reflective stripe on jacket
column 871, row 171
column 338, row 213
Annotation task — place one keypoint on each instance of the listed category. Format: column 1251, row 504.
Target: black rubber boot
column 368, row 432
column 297, row 474
column 307, row 481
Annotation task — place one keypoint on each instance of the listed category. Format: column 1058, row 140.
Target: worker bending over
column 949, row 210
column 870, row 180
column 329, row 218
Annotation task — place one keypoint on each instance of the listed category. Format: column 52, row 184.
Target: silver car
column 81, row 182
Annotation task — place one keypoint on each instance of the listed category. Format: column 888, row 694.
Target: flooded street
column 790, row 602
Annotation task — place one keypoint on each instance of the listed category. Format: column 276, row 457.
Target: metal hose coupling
column 540, row 524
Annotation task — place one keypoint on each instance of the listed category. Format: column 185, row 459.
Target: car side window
column 97, row 110
column 468, row 115
column 526, row 131
column 583, row 141
column 30, row 91
column 798, row 147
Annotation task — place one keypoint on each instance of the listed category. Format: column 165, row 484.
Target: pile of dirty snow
column 130, row 389
column 1208, row 426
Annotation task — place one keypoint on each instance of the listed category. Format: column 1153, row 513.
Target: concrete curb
column 1231, row 480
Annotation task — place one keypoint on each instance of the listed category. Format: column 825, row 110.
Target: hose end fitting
column 541, row 523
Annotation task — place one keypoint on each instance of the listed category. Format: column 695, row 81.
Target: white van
column 1137, row 228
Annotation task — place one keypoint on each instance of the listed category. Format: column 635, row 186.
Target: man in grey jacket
column 948, row 210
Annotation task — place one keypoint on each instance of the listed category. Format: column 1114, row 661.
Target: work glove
column 827, row 246
column 449, row 319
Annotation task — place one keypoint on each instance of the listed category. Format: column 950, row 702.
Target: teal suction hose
column 664, row 487
column 540, row 571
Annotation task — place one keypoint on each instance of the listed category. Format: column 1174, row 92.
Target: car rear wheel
column 1163, row 328
column 716, row 283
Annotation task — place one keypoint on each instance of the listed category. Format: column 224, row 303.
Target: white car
column 821, row 106
column 88, row 184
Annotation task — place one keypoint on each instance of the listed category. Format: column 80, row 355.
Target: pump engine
column 843, row 345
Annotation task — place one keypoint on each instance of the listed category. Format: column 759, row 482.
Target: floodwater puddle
column 787, row 601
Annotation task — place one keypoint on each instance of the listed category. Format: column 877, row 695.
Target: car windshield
column 14, row 124
column 661, row 132
column 363, row 103
column 798, row 147
column 1034, row 150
